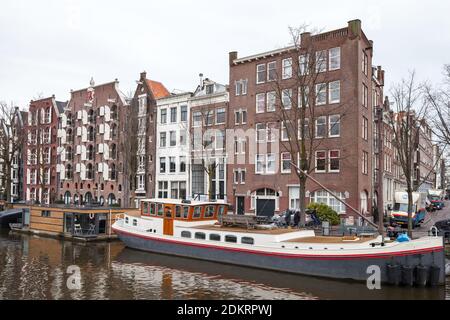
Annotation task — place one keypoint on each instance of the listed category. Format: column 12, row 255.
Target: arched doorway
column 67, row 198
column 265, row 201
column 88, row 198
column 111, row 199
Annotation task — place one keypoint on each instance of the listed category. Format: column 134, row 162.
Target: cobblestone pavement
column 431, row 218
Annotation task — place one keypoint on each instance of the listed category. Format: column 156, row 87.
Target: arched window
column 67, row 197
column 90, row 171
column 69, row 172
column 69, row 135
column 48, row 112
column 114, row 131
column 88, row 198
column 113, row 151
column 324, row 197
column 91, row 116
column 45, row 197
column 47, row 155
column 112, row 172
column 111, row 199
column 33, row 195
column 76, row 199
column 90, row 152
column 102, row 201
column 114, row 112
column 69, row 154
column 69, row 119
column 91, row 134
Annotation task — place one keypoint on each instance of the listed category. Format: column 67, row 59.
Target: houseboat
column 203, row 230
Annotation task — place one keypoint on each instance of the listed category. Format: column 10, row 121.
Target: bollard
column 407, row 276
column 422, row 273
column 435, row 273
column 393, row 272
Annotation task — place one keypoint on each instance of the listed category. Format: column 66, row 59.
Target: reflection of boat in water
column 191, row 229
column 147, row 270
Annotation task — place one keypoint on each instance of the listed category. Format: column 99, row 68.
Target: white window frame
column 316, row 127
column 321, row 61
column 286, row 94
column 332, row 89
column 262, row 161
column 260, row 68
column 271, row 99
column 274, row 163
column 287, row 68
column 319, row 93
column 334, row 58
column 331, row 124
column 262, row 129
column 329, row 161
column 284, row 160
column 299, row 94
column 303, row 62
column 260, row 98
column 271, row 66
column 316, row 159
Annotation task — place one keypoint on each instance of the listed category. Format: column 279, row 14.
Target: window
column 271, row 99
column 243, row 172
column 163, row 116
column 271, row 163
column 321, row 159
column 321, row 94
column 241, row 87
column 334, row 165
column 185, row 212
column 365, row 129
column 287, row 68
column 172, row 164
column 209, row 89
column 335, row 126
column 260, row 73
column 183, row 113
column 284, row 131
column 209, row 118
column 365, row 163
column 321, row 127
column 229, row 238
column 183, row 138
column 260, row 102
column 260, row 164
column 162, row 139
column 303, row 64
column 303, row 97
column 163, row 191
column 45, row 214
column 162, row 165
column 365, row 96
column 173, row 114
column 197, row 119
column 182, row 164
column 335, row 59
column 200, row 235
column 261, row 132
column 321, row 61
column 365, row 63
column 197, row 212
column 186, row 234
column 210, row 210
column 286, row 162
column 173, row 138
column 214, row 237
column 334, row 90
column 286, row 96
column 237, row 117
column 324, row 197
column 272, row 71
column 272, row 132
column 247, row 240
column 220, row 116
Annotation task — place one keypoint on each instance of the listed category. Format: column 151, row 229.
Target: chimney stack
column 354, row 29
column 201, row 80
column 305, row 40
column 233, row 55
column 143, row 76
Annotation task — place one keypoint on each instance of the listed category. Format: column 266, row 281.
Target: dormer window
column 209, row 89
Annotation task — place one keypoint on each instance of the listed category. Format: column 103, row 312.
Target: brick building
column 40, row 161
column 343, row 100
column 144, row 104
column 91, row 135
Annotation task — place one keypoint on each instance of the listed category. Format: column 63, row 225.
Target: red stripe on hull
column 293, row 256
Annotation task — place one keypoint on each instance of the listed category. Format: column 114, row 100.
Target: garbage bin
column 325, row 228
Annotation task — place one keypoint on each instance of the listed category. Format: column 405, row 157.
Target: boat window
column 126, row 220
column 247, row 240
column 185, row 212
column 134, row 223
column 168, row 212
column 178, row 211
column 145, row 206
column 214, row 237
column 200, row 235
column 185, row 234
column 221, row 210
column 160, row 210
column 210, row 211
column 232, row 239
column 152, row 209
column 197, row 212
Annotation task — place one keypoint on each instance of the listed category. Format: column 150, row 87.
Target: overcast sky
column 51, row 46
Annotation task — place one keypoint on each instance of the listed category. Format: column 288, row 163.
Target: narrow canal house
column 91, row 135
column 265, row 182
column 40, row 158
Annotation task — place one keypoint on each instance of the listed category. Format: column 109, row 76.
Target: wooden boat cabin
column 169, row 212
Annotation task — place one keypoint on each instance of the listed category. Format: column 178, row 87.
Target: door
column 240, row 205
column 265, row 207
column 168, row 221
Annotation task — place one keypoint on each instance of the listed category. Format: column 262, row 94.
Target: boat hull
column 344, row 267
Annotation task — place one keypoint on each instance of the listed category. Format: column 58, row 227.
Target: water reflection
column 36, row 268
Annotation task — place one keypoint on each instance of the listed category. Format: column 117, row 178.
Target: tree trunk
column 302, row 201
column 210, row 184
column 410, row 207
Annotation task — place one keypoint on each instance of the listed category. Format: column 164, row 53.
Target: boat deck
column 277, row 231
column 330, row 240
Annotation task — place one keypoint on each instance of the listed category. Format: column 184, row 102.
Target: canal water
column 32, row 267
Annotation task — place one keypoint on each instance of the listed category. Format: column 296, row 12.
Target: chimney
column 305, row 40
column 233, row 55
column 201, row 80
column 143, row 76
column 354, row 29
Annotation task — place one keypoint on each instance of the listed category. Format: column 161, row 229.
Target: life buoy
column 91, row 216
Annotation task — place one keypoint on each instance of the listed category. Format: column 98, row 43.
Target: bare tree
column 298, row 114
column 406, row 121
column 11, row 143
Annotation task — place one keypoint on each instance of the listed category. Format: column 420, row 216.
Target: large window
column 172, row 164
column 163, row 116
column 335, row 91
column 335, row 58
column 173, row 114
column 261, row 132
column 334, row 165
column 324, row 197
column 365, row 163
column 272, row 71
column 163, row 189
column 335, row 126
column 260, row 73
column 321, row 61
column 321, row 127
column 321, row 94
column 286, row 96
column 271, row 99
column 183, row 113
column 197, row 119
column 286, row 162
column 260, row 102
column 321, row 161
column 303, row 64
column 162, row 139
column 365, row 128
column 287, row 68
column 220, row 116
column 162, row 165
column 173, row 138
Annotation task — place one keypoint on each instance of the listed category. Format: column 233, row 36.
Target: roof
column 180, row 202
column 158, row 89
column 61, row 106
